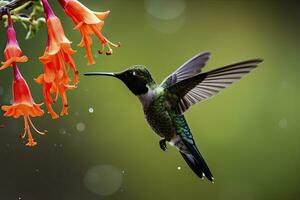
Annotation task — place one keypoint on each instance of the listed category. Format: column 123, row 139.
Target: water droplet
column 91, row 110
column 80, row 127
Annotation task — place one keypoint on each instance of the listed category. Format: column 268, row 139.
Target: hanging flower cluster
column 57, row 62
column 88, row 22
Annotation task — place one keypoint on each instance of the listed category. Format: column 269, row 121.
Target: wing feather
column 205, row 85
column 189, row 69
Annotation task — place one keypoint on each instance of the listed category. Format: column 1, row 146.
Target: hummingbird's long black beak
column 101, row 74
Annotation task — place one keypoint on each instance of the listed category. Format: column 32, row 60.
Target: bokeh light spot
column 62, row 131
column 165, row 16
column 80, row 127
column 103, row 180
column 167, row 9
column 283, row 123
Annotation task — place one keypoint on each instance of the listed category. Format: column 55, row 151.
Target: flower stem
column 15, row 4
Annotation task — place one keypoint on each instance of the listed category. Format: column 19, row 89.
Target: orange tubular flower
column 88, row 22
column 12, row 52
column 55, row 81
column 23, row 105
column 57, row 61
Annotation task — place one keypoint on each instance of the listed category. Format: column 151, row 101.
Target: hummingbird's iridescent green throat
column 164, row 104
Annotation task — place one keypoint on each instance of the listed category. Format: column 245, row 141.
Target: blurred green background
column 249, row 134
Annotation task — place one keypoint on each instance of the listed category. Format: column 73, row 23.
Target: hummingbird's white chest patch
column 147, row 98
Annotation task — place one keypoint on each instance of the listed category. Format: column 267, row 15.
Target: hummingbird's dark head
column 137, row 78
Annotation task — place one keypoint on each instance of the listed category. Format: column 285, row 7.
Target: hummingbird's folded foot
column 163, row 144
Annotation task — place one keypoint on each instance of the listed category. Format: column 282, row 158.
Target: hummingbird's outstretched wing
column 189, row 69
column 190, row 91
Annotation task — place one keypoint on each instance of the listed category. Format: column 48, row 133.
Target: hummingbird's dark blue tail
column 196, row 162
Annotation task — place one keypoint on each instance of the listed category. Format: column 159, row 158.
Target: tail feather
column 185, row 143
column 189, row 159
column 196, row 161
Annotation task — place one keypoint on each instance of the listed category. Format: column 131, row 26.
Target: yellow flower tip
column 100, row 51
column 51, row 111
column 44, row 132
column 119, row 44
column 64, row 110
column 31, row 143
column 64, row 113
column 22, row 136
column 91, row 62
column 108, row 45
column 56, row 116
column 109, row 52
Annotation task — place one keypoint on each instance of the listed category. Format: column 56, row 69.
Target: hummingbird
column 164, row 104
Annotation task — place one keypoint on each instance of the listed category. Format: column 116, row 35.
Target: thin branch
column 12, row 5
